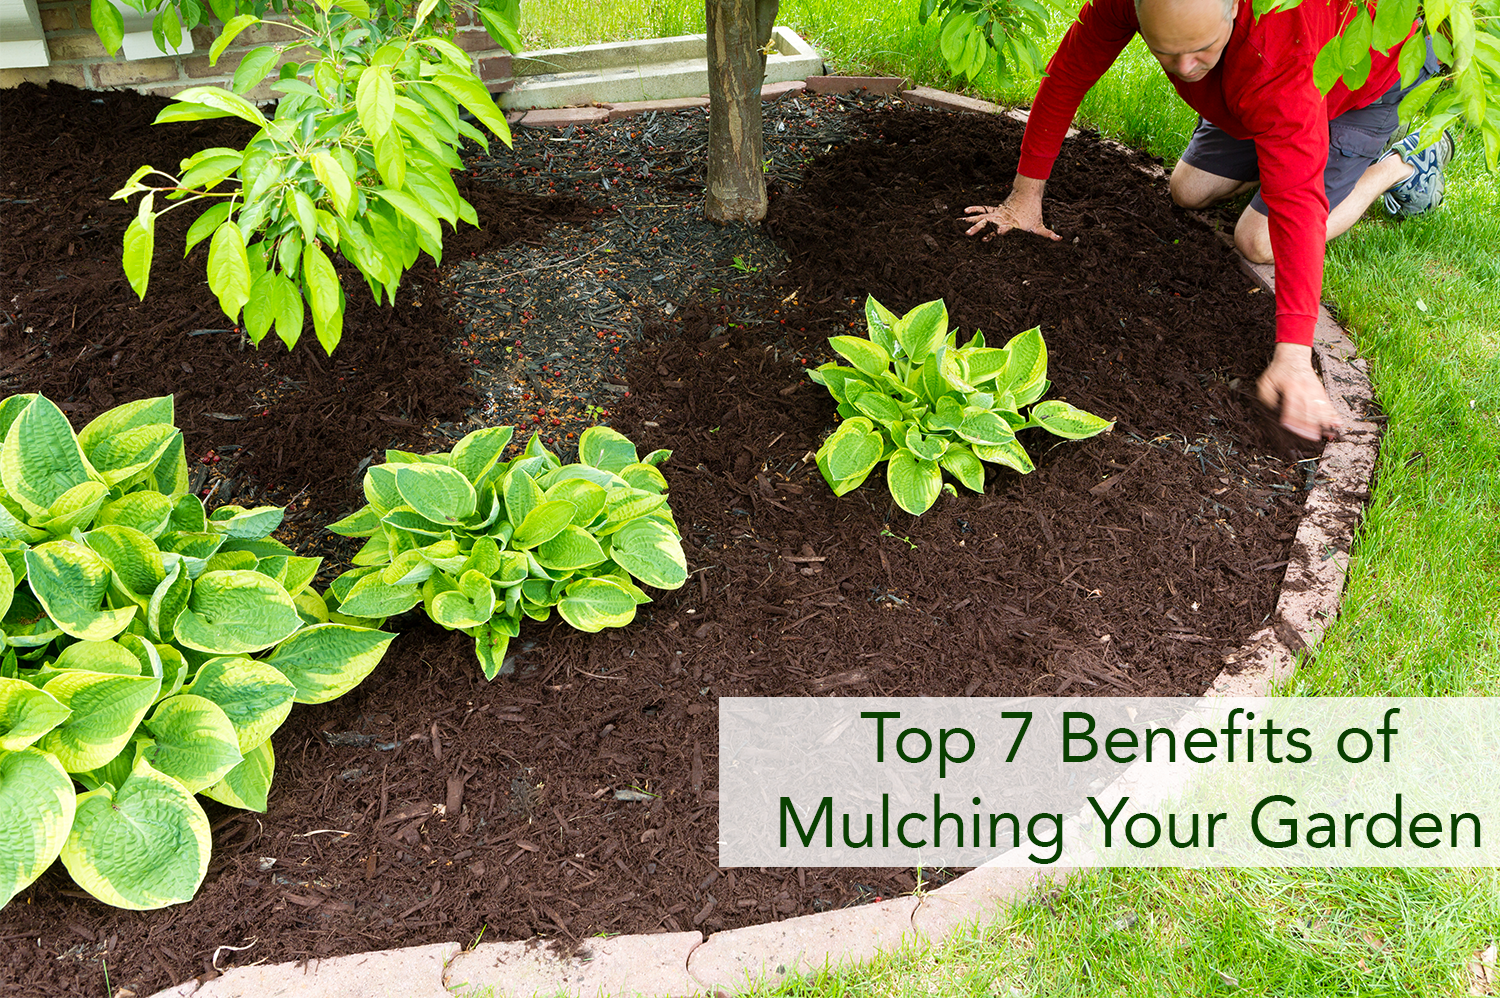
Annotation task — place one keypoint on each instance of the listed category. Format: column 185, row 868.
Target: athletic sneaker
column 1423, row 190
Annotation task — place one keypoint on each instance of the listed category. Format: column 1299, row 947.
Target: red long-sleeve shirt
column 1262, row 89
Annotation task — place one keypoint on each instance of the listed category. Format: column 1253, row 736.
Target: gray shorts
column 1355, row 140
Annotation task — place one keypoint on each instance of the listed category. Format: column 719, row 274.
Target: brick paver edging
column 679, row 964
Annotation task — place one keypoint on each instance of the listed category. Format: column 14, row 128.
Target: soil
column 576, row 795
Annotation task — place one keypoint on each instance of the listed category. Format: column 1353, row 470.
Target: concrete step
column 650, row 69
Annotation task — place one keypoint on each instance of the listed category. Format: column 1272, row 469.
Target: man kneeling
column 1319, row 161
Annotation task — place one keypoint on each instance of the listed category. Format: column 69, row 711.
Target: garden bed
column 429, row 805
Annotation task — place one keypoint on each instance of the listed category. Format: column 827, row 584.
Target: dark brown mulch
column 429, row 805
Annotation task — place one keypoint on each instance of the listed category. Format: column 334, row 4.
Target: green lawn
column 1421, row 615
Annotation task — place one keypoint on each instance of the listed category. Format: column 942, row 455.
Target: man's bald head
column 1187, row 36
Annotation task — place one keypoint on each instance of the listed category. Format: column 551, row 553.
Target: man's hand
column 1022, row 210
column 1290, row 385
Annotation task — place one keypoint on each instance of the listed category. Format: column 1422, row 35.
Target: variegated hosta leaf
column 236, row 611
column 938, row 407
column 26, row 714
column 70, row 580
column 142, row 845
column 40, row 458
column 594, row 604
column 247, row 784
column 105, row 712
column 37, row 804
column 328, row 660
column 652, row 552
column 193, row 741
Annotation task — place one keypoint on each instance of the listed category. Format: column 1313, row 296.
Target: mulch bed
column 577, row 795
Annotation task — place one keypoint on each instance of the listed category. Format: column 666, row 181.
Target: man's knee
column 1187, row 189
column 1252, row 237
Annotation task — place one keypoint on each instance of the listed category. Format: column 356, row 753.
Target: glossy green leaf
column 140, row 245
column 222, row 100
column 375, row 99
column 324, row 295
column 253, row 68
column 110, row 27
column 471, row 93
column 231, row 31
column 229, row 269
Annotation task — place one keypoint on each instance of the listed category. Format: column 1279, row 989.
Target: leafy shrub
column 149, row 651
column 357, row 160
column 925, row 405
column 482, row 543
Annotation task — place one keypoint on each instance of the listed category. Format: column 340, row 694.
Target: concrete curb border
column 675, row 965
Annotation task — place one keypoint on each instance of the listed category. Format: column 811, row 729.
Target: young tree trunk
column 738, row 31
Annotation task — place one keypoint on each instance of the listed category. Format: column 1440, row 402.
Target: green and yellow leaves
column 326, row 661
column 482, row 542
column 37, row 805
column 850, row 454
column 650, row 550
column 40, row 458
column 104, row 580
column 105, row 710
column 1069, row 422
column 914, row 483
column 70, row 581
column 594, row 604
column 916, row 399
column 143, row 845
column 236, row 611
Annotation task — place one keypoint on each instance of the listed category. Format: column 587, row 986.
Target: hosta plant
column 923, row 404
column 482, row 543
column 147, row 652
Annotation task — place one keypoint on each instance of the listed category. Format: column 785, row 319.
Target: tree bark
column 738, row 32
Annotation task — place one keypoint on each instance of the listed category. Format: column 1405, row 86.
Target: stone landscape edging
column 680, row 964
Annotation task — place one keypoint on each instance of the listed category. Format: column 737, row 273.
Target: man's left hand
column 1290, row 386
